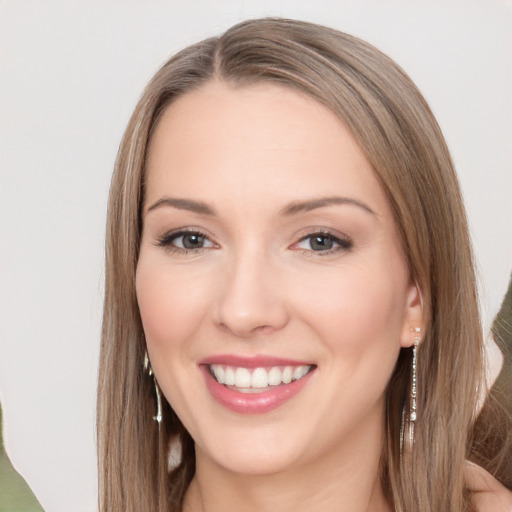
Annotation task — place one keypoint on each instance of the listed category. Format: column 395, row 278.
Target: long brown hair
column 400, row 137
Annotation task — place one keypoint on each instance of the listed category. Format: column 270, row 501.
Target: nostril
column 247, row 332
column 250, row 302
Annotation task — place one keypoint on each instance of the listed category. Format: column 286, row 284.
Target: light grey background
column 71, row 73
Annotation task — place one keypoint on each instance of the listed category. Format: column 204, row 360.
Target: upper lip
column 257, row 361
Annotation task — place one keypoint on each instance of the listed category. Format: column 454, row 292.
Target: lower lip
column 253, row 403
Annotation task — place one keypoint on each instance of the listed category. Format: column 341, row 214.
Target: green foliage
column 502, row 333
column 15, row 494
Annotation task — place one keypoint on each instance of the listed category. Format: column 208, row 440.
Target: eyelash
column 342, row 244
column 166, row 241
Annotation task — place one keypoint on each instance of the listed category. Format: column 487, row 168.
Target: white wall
column 70, row 74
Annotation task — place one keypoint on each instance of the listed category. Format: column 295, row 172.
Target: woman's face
column 270, row 259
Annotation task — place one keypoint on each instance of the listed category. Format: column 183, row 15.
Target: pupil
column 319, row 243
column 192, row 241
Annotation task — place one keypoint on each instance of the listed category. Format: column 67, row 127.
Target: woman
column 289, row 289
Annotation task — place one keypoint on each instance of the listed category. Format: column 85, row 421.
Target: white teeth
column 242, row 378
column 298, row 372
column 229, row 376
column 218, row 371
column 260, row 377
column 274, row 376
column 287, row 374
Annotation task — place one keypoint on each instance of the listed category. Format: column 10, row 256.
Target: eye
column 185, row 241
column 191, row 241
column 323, row 242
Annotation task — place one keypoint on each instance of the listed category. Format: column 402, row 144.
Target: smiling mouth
column 257, row 380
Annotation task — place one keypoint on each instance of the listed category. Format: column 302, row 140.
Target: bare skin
column 267, row 234
column 301, row 491
column 245, row 252
column 489, row 495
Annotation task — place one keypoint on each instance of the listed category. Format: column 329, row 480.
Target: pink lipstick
column 254, row 385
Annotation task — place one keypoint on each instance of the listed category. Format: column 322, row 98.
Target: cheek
column 359, row 307
column 171, row 304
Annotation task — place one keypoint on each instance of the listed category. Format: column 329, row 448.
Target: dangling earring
column 149, row 371
column 411, row 417
column 175, row 453
column 417, row 339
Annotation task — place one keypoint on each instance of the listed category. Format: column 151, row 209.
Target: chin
column 254, row 462
column 260, row 451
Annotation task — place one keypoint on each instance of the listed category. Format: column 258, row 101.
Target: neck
column 345, row 478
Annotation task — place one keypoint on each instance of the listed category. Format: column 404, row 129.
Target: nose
column 251, row 299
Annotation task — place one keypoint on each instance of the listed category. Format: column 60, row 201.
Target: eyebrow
column 312, row 204
column 183, row 204
column 293, row 208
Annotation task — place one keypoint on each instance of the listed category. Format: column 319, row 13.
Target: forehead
column 222, row 142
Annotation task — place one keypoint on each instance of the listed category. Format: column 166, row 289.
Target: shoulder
column 489, row 495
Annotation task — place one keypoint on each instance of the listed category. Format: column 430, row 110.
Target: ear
column 413, row 316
